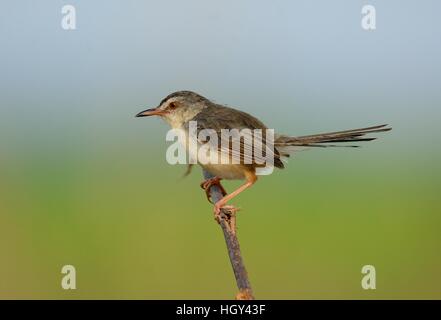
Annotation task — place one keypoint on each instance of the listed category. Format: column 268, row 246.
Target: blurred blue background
column 83, row 182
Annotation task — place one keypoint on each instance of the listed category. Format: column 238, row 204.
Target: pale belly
column 226, row 171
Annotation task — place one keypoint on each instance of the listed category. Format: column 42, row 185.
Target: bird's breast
column 202, row 155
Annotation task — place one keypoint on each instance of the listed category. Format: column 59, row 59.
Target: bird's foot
column 231, row 210
column 207, row 184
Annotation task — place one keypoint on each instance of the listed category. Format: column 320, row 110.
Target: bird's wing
column 236, row 144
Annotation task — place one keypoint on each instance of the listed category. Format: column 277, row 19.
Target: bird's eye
column 172, row 106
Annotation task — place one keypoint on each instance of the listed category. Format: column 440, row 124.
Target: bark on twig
column 228, row 225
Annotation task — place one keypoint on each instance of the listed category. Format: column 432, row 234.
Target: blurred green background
column 83, row 182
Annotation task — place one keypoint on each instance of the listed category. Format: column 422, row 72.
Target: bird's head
column 178, row 108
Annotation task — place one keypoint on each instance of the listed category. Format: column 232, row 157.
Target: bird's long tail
column 287, row 144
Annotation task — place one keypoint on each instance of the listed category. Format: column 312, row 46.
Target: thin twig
column 227, row 222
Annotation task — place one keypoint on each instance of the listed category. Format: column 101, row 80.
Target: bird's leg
column 215, row 181
column 251, row 179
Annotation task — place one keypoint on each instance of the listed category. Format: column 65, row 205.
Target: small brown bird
column 182, row 107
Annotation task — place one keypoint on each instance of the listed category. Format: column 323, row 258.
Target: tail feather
column 323, row 139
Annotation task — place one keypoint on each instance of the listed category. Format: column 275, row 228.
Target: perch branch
column 227, row 222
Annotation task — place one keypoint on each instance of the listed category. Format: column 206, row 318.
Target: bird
column 181, row 108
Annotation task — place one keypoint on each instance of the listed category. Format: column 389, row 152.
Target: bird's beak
column 151, row 112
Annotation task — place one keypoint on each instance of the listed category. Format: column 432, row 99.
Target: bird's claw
column 207, row 184
column 217, row 211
